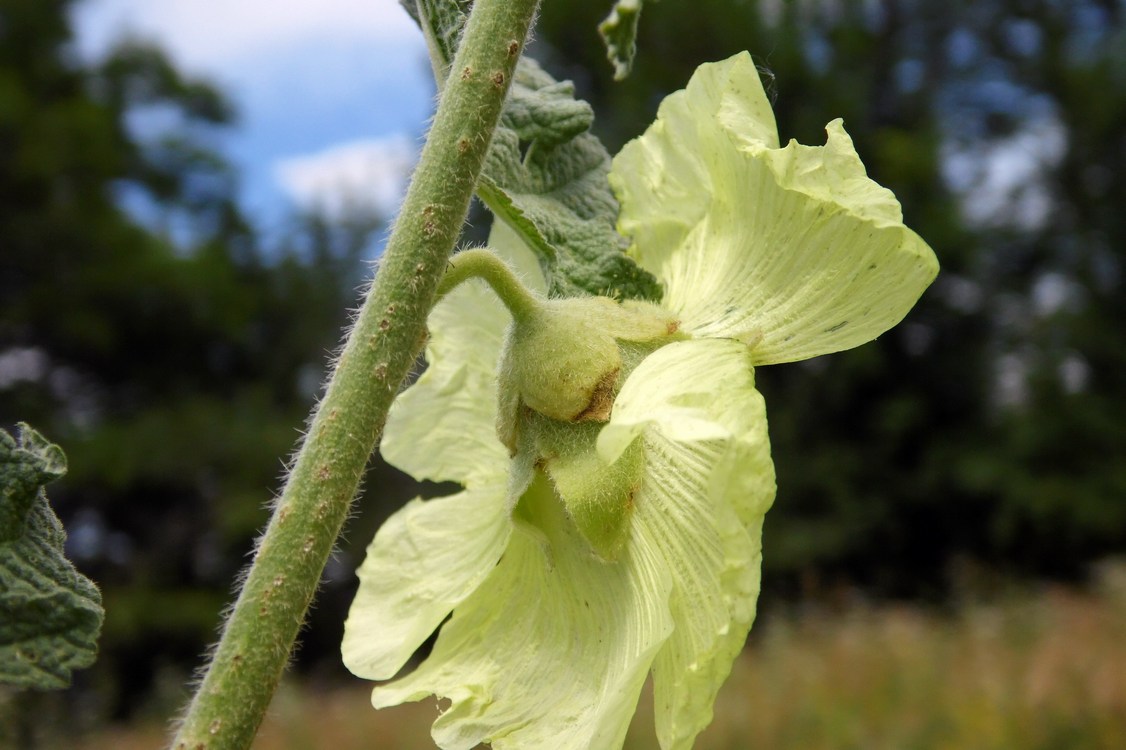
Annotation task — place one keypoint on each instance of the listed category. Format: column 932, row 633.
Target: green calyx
column 597, row 496
column 563, row 358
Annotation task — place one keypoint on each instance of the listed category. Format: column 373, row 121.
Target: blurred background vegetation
column 978, row 448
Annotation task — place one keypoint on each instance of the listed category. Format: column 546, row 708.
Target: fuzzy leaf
column 50, row 614
column 550, row 184
column 546, row 175
column 619, row 33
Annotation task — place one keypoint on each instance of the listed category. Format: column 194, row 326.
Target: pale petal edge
column 426, row 559
column 793, row 250
column 700, row 507
column 443, row 428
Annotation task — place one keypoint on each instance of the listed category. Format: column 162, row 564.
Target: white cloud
column 359, row 176
column 213, row 33
column 309, row 79
column 1003, row 181
column 19, row 364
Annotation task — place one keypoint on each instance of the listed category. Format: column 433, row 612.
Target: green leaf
column 619, row 32
column 50, row 614
column 546, row 175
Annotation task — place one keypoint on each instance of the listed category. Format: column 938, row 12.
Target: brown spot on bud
column 601, row 400
column 630, row 502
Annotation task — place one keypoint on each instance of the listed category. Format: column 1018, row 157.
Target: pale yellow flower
column 587, row 552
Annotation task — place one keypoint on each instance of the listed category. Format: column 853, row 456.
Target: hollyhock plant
column 614, row 455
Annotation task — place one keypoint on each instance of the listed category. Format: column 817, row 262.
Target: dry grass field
column 1037, row 671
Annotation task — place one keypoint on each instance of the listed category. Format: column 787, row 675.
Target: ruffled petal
column 708, row 481
column 793, row 251
column 662, row 179
column 551, row 651
column 443, row 428
column 427, row 558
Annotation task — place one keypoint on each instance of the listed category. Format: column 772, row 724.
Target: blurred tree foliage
column 146, row 327
column 991, row 425
column 170, row 353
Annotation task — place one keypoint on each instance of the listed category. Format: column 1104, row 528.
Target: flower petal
column 792, row 250
column 431, row 555
column 708, row 481
column 552, row 649
column 427, row 558
column 662, row 179
column 443, row 428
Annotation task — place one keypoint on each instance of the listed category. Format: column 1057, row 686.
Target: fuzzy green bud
column 564, row 360
column 563, row 363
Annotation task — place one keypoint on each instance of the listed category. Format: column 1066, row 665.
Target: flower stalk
column 484, row 264
column 258, row 638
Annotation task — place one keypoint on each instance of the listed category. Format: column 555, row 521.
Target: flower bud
column 564, row 360
column 561, row 362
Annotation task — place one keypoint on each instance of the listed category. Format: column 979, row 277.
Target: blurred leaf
column 619, row 33
column 50, row 614
column 138, row 74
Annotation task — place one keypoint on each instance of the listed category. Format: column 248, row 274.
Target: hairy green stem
column 232, row 698
column 481, row 263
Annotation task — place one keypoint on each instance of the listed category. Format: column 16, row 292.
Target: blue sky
column 333, row 95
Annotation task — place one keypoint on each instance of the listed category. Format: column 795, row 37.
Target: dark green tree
column 146, row 328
